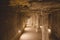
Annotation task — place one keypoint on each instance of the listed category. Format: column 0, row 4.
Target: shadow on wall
column 53, row 37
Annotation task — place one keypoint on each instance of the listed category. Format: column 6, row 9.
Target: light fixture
column 41, row 26
column 49, row 30
column 19, row 31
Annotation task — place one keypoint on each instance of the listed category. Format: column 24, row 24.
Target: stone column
column 44, row 26
column 33, row 20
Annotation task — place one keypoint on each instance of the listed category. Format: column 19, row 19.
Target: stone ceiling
column 35, row 7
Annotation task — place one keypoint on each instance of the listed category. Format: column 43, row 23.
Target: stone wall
column 11, row 22
column 54, row 24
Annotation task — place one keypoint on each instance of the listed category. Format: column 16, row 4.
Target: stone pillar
column 44, row 26
column 33, row 20
column 37, row 22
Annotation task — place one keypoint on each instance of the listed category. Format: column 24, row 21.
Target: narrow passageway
column 32, row 31
column 31, row 34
